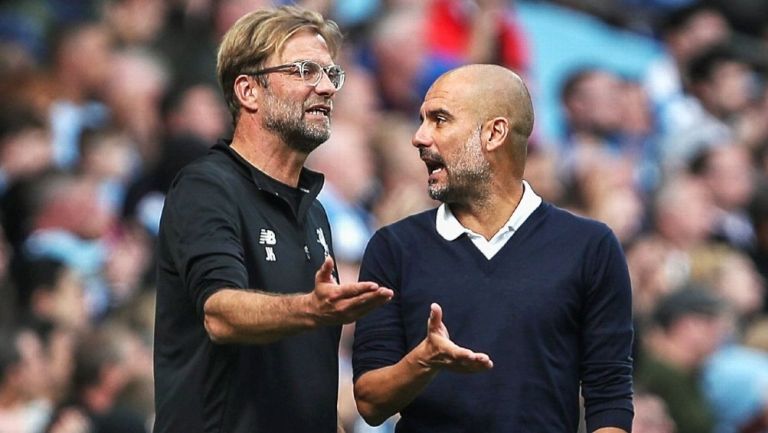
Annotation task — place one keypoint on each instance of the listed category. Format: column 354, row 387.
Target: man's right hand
column 439, row 352
column 383, row 392
column 333, row 303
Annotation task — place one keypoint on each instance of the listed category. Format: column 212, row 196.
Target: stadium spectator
column 688, row 326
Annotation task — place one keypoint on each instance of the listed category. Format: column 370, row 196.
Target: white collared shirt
column 450, row 228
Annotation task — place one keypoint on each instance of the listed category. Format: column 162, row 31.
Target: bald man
column 537, row 300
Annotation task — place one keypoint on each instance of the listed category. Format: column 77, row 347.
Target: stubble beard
column 287, row 120
column 469, row 176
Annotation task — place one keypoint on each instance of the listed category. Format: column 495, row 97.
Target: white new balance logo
column 267, row 237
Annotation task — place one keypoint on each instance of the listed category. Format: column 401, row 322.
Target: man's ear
column 496, row 133
column 247, row 92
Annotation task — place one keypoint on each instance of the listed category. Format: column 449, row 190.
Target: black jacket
column 225, row 224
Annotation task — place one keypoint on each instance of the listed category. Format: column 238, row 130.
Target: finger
column 470, row 362
column 379, row 296
column 435, row 318
column 358, row 310
column 481, row 360
column 473, row 367
column 460, row 354
column 353, row 290
column 369, row 300
column 325, row 273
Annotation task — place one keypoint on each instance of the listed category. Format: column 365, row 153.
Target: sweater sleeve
column 380, row 336
column 607, row 333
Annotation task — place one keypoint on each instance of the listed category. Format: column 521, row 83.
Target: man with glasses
column 249, row 310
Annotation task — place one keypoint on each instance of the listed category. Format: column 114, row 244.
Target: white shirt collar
column 450, row 228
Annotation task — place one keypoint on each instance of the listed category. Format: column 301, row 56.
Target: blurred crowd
column 103, row 101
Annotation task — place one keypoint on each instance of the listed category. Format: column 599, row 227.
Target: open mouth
column 319, row 110
column 434, row 163
column 434, row 167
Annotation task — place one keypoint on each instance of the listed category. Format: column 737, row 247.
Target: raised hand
column 442, row 353
column 382, row 392
column 335, row 303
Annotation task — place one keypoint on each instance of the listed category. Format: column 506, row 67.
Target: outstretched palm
column 446, row 354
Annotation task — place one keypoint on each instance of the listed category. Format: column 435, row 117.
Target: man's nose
column 421, row 138
column 325, row 86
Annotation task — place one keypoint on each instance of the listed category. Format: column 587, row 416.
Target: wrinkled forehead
column 305, row 44
column 450, row 95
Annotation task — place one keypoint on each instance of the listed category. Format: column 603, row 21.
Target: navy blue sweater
column 552, row 309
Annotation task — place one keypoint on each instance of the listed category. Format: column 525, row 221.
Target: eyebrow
column 437, row 112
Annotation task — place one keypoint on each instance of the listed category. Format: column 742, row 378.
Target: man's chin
column 437, row 193
column 306, row 143
column 319, row 134
column 304, row 146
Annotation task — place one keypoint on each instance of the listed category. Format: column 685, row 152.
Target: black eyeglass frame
column 300, row 66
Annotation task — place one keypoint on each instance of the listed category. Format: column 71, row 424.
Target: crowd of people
column 104, row 101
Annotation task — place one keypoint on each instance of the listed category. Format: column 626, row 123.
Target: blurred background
column 652, row 116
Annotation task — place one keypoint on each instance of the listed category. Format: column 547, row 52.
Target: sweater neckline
column 489, row 265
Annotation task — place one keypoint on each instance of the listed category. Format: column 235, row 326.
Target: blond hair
column 260, row 34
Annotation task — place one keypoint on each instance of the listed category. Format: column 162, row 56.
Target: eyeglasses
column 310, row 72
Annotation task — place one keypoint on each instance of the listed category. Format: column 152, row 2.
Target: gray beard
column 463, row 188
column 469, row 177
column 288, row 122
column 297, row 134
